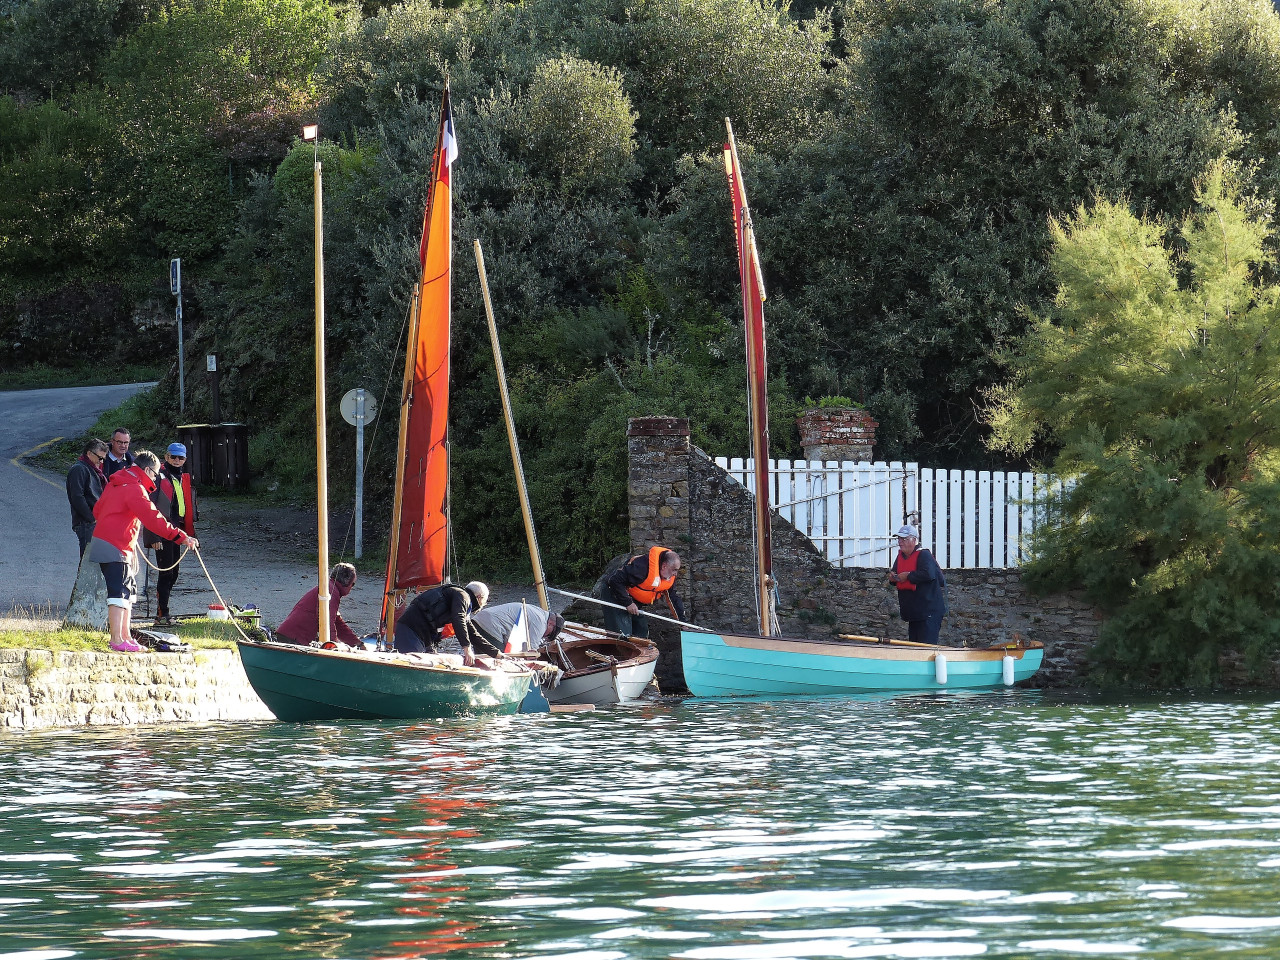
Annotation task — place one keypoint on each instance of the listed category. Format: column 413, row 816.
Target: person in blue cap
column 174, row 497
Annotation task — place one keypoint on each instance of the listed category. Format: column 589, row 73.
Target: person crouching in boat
column 638, row 581
column 419, row 628
column 499, row 621
column 302, row 625
column 921, row 585
column 125, row 505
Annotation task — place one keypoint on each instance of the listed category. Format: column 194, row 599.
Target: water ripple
column 1012, row 824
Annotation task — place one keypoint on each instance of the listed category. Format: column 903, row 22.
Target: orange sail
column 419, row 534
column 757, row 376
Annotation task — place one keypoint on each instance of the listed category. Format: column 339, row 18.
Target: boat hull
column 587, row 679
column 602, row 687
column 726, row 665
column 305, row 683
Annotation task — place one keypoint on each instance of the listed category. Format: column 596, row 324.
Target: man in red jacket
column 124, row 506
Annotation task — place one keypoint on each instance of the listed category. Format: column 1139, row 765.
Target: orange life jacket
column 653, row 584
column 902, row 565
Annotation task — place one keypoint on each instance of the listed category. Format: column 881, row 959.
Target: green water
column 1010, row 824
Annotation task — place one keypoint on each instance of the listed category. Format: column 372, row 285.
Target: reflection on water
column 1009, row 824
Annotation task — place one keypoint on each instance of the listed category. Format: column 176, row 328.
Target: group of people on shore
column 114, row 495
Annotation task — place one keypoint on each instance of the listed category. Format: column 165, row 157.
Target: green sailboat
column 314, row 683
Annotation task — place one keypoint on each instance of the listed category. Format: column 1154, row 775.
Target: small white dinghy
column 600, row 668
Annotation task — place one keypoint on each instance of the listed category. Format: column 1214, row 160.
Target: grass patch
column 201, row 632
column 138, row 414
column 39, row 376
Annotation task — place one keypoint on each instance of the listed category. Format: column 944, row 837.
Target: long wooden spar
column 530, row 534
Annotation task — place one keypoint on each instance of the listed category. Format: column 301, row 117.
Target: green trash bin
column 198, row 439
column 231, row 455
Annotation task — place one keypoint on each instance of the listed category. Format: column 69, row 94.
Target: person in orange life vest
column 921, row 585
column 302, row 625
column 637, row 581
column 175, row 497
column 125, row 505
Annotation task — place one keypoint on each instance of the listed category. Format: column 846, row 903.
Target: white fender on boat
column 940, row 668
column 1007, row 672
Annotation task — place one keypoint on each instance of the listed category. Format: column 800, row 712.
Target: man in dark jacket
column 632, row 582
column 174, row 497
column 85, row 481
column 922, row 598
column 118, row 457
column 419, row 628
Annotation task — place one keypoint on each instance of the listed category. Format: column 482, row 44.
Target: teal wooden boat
column 725, row 665
column 308, row 683
column 766, row 663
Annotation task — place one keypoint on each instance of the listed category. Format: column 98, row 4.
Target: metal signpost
column 211, row 365
column 175, row 286
column 357, row 409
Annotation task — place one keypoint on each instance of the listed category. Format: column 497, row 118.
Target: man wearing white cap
column 921, row 587
column 174, row 497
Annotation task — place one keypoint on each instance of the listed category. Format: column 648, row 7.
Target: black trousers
column 167, row 554
column 407, row 641
column 926, row 630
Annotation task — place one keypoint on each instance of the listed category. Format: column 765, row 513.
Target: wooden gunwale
column 368, row 659
column 904, row 650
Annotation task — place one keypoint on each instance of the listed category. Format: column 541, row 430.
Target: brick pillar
column 837, row 433
column 659, row 460
column 658, row 482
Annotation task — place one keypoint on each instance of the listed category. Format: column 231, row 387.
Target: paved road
column 38, row 552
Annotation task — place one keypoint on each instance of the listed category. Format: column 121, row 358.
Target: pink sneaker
column 127, row 646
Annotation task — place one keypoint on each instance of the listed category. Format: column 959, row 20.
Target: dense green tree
column 1155, row 374
column 49, row 46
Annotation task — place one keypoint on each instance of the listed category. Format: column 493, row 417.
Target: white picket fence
column 968, row 518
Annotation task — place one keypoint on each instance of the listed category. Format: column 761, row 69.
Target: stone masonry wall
column 817, row 599
column 41, row 689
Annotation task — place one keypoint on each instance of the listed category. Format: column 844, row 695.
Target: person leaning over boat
column 921, row 587
column 302, row 625
column 175, row 497
column 637, row 581
column 497, row 622
column 418, row 629
column 85, row 483
column 125, row 506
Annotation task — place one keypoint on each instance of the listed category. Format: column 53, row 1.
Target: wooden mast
column 531, row 536
column 397, row 503
column 322, row 452
column 753, row 296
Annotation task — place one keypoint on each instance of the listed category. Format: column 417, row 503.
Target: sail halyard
column 418, row 545
column 753, row 296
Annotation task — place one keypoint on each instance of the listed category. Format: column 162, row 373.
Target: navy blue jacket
column 929, row 598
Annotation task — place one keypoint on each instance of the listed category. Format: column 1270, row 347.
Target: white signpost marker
column 357, row 409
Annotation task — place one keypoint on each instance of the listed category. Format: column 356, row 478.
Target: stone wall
column 41, row 689
column 681, row 499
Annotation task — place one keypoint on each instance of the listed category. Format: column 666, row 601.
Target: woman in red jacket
column 124, row 506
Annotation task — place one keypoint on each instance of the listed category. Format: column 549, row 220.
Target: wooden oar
column 645, row 613
column 896, row 643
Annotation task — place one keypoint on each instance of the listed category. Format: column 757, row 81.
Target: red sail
column 753, row 296
column 419, row 557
